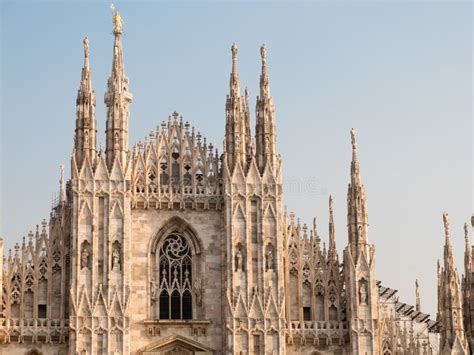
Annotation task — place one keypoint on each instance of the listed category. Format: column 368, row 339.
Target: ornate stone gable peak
column 175, row 168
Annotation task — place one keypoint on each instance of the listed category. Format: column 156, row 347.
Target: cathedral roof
column 404, row 309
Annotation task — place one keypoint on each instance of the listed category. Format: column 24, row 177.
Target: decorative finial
column 446, row 224
column 263, row 52
column 466, row 232
column 85, row 42
column 353, row 138
column 472, row 221
column 117, row 20
column 330, row 204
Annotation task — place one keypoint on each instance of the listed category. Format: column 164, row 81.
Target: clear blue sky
column 399, row 72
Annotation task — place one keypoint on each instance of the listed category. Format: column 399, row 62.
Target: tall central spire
column 117, row 99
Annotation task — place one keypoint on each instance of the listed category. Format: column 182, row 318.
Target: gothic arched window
column 175, row 270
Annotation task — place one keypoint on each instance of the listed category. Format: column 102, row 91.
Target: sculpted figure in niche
column 239, row 260
column 363, row 291
column 84, row 257
column 270, row 259
column 198, row 291
column 153, row 289
column 237, row 143
column 116, row 259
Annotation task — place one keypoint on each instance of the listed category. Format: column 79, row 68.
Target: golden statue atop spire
column 117, row 19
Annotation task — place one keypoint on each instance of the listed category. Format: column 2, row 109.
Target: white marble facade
column 170, row 247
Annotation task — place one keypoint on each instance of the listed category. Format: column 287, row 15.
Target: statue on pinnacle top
column 117, row 20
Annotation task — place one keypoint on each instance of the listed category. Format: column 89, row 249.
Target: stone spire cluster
column 239, row 146
column 450, row 308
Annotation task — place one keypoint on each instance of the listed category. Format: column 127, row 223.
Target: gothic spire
column 85, row 133
column 117, row 99
column 449, row 299
column 357, row 218
column 237, row 139
column 265, row 127
column 332, row 232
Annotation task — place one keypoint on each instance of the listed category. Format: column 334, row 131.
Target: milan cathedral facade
column 169, row 247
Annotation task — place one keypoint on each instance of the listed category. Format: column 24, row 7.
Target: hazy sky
column 399, row 72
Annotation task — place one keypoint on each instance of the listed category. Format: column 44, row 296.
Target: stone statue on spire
column 446, row 223
column 86, row 47
column 353, row 138
column 234, row 50
column 263, row 52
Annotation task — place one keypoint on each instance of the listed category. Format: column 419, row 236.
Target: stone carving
column 153, row 290
column 86, row 47
column 116, row 258
column 85, row 256
column 239, row 260
column 263, row 53
column 198, row 291
column 363, row 291
column 270, row 259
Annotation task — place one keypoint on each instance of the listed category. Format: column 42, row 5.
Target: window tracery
column 175, row 275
